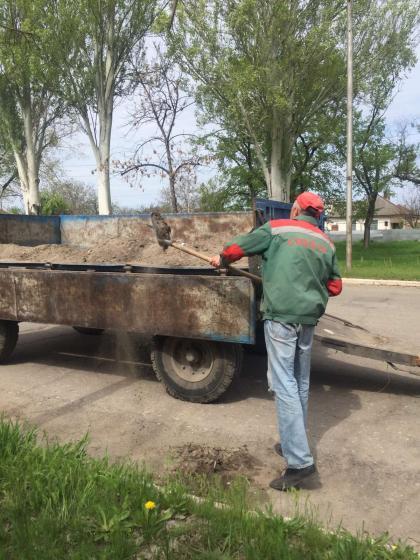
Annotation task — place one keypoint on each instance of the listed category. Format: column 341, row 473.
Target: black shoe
column 278, row 449
column 292, row 478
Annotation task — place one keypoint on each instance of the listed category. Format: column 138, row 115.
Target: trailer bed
column 190, row 302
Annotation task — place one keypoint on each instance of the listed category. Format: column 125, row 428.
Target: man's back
column 299, row 268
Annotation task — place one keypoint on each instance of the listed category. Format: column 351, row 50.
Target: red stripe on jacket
column 334, row 287
column 233, row 253
column 298, row 223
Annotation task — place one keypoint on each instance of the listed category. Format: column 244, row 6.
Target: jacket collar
column 308, row 219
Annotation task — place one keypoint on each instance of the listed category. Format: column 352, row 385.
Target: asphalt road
column 364, row 423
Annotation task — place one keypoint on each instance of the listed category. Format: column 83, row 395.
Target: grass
column 58, row 503
column 394, row 260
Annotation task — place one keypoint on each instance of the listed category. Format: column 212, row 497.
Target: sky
column 78, row 162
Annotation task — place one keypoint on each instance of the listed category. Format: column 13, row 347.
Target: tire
column 9, row 333
column 88, row 330
column 195, row 370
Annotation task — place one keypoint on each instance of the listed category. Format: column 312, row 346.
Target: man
column 299, row 274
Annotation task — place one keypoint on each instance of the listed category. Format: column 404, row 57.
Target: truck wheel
column 9, row 332
column 88, row 330
column 195, row 370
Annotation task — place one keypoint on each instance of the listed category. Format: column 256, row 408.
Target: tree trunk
column 172, row 191
column 369, row 219
column 104, row 189
column 28, row 163
column 103, row 159
column 34, row 202
column 281, row 158
column 23, row 178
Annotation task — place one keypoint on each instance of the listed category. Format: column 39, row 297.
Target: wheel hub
column 190, row 360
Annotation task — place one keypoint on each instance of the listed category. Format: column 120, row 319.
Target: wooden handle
column 206, row 258
column 192, row 252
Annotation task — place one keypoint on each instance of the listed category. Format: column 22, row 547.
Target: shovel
column 163, row 236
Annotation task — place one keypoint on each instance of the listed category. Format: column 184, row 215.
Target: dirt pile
column 130, row 246
column 198, row 459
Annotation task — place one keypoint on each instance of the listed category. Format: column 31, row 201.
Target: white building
column 388, row 215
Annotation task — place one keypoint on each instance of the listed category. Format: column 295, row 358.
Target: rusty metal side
column 217, row 308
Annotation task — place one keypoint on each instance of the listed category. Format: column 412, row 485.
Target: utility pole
column 349, row 165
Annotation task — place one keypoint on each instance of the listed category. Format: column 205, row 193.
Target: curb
column 379, row 282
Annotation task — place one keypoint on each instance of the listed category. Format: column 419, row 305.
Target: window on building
column 353, row 226
column 374, row 224
column 386, row 223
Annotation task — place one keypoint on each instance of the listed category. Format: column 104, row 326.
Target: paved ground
column 364, row 416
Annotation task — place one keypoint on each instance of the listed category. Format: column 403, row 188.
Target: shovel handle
column 206, row 258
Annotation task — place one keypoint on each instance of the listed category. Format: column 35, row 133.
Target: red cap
column 310, row 200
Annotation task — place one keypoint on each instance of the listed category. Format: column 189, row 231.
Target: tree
column 103, row 36
column 187, row 194
column 268, row 67
column 411, row 206
column 238, row 168
column 214, row 197
column 407, row 169
column 375, row 154
column 9, row 185
column 271, row 69
column 77, row 197
column 53, row 204
column 29, row 109
column 162, row 101
column 373, row 163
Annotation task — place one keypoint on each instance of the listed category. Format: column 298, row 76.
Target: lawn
column 58, row 503
column 395, row 260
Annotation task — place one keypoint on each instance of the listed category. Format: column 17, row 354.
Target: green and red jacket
column 300, row 268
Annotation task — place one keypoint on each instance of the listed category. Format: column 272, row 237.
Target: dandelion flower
column 150, row 505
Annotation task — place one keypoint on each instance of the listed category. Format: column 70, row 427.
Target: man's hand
column 215, row 261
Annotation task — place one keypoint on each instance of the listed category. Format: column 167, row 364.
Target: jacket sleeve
column 254, row 243
column 334, row 283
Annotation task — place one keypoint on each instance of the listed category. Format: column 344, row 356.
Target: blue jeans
column 289, row 362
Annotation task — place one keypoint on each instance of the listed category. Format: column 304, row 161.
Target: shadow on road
column 120, row 354
column 334, row 385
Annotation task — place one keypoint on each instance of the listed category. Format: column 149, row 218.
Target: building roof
column 383, row 208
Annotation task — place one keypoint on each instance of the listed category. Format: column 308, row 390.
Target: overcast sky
column 78, row 162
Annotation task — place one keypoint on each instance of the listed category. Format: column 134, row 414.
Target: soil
column 119, row 250
column 201, row 459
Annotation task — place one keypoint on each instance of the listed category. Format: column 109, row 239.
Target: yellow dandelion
column 150, row 505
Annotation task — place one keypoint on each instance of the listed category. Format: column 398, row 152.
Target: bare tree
column 167, row 153
column 411, row 206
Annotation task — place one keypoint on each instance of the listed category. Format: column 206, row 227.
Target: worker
column 300, row 272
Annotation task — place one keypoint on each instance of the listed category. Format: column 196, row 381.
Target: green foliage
column 14, row 210
column 53, row 204
column 271, row 75
column 29, row 75
column 238, row 169
column 103, row 38
column 71, row 196
column 407, row 168
column 214, row 197
column 57, row 502
column 265, row 69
